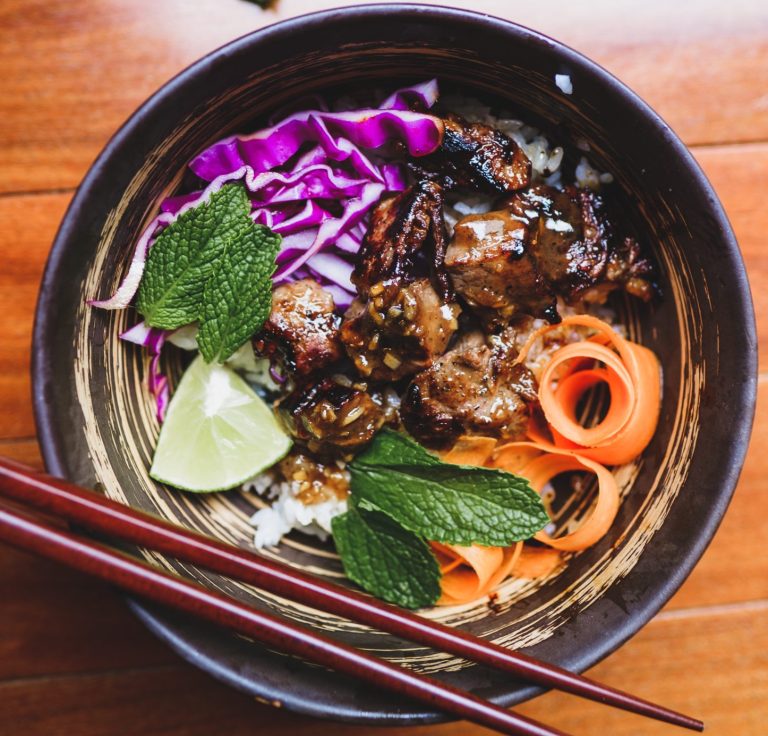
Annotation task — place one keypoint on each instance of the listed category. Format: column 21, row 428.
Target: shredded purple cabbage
column 275, row 375
column 339, row 134
column 130, row 284
column 153, row 339
column 316, row 176
column 318, row 197
column 424, row 95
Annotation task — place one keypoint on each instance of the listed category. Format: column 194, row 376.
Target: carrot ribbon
column 630, row 371
column 542, row 464
column 472, row 572
column 469, row 573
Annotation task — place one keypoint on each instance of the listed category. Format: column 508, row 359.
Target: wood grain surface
column 72, row 658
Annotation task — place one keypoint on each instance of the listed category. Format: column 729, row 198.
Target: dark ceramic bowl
column 95, row 418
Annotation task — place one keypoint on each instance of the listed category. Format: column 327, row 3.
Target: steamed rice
column 287, row 513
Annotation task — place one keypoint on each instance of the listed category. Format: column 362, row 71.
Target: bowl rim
column 53, row 446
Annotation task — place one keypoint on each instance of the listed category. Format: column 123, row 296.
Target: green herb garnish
column 402, row 495
column 455, row 504
column 238, row 296
column 212, row 265
column 385, row 559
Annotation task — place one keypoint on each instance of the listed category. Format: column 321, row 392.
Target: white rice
column 287, row 513
column 588, row 177
column 564, row 83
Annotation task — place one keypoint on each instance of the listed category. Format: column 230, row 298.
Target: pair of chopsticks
column 96, row 513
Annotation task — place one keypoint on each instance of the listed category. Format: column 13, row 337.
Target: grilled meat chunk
column 405, row 315
column 574, row 246
column 403, row 228
column 627, row 269
column 328, row 416
column 475, row 156
column 546, row 243
column 472, row 389
column 399, row 330
column 493, row 269
column 303, row 330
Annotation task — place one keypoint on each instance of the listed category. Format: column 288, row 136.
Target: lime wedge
column 217, row 432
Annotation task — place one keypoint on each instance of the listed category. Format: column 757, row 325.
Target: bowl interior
column 97, row 420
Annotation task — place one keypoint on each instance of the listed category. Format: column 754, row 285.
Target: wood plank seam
column 100, row 672
column 37, row 192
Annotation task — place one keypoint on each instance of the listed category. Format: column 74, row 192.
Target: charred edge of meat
column 475, row 156
column 426, row 421
column 327, row 415
column 399, row 330
column 573, row 242
column 302, row 330
column 551, row 315
column 625, row 265
column 628, row 266
column 566, row 238
column 401, row 228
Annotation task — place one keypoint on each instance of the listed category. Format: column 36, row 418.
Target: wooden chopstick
column 103, row 515
column 126, row 572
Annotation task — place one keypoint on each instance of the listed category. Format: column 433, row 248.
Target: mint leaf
column 212, row 265
column 385, row 559
column 238, row 296
column 455, row 504
column 185, row 255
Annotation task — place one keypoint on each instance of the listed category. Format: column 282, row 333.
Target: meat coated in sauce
column 544, row 243
column 541, row 244
column 475, row 156
column 575, row 247
column 328, row 415
column 494, row 270
column 405, row 315
column 475, row 388
column 302, row 331
column 318, row 481
column 398, row 330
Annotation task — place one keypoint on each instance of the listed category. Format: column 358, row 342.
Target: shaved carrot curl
column 550, row 462
column 536, row 562
column 632, row 375
column 472, row 572
column 470, row 450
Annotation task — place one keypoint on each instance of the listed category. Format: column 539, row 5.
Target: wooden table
column 72, row 658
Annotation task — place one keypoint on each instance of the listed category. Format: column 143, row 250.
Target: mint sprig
column 402, row 495
column 238, row 296
column 454, row 504
column 385, row 559
column 212, row 265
